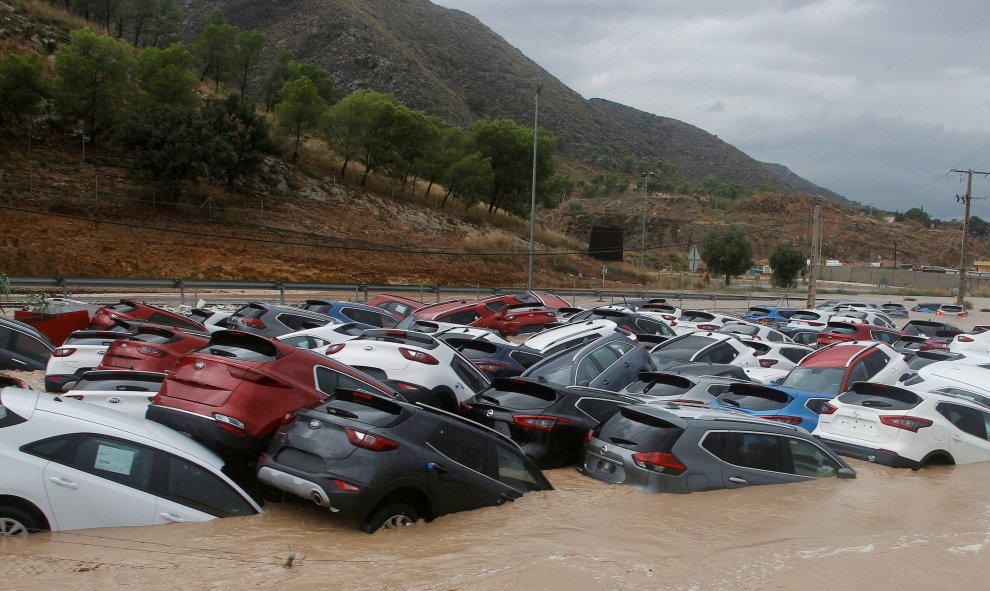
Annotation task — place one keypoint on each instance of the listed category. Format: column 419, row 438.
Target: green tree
column 300, row 109
column 167, row 144
column 163, row 24
column 164, row 75
column 918, row 215
column 510, row 149
column 244, row 56
column 273, row 77
column 215, row 48
column 239, row 138
column 321, row 79
column 411, row 132
column 727, row 252
column 788, row 263
column 93, row 83
column 977, row 225
column 23, row 85
column 440, row 152
column 470, row 178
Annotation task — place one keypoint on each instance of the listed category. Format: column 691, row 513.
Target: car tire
column 15, row 521
column 390, row 516
column 444, row 399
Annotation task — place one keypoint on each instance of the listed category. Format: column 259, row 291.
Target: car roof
column 683, row 415
column 548, row 337
column 837, row 355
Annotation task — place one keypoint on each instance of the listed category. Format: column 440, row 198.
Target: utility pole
column 532, row 203
column 961, row 296
column 816, row 245
column 642, row 243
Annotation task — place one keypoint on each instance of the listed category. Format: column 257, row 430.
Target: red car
column 232, row 394
column 397, row 306
column 489, row 313
column 130, row 310
column 835, row 332
column 6, row 380
column 152, row 348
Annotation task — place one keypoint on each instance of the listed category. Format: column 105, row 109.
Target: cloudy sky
column 875, row 100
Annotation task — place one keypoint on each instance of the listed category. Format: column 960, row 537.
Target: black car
column 387, row 463
column 548, row 421
column 800, row 335
column 626, row 319
column 270, row 320
column 22, row 347
column 609, row 363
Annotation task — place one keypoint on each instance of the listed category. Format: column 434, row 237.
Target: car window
column 30, row 347
column 757, row 451
column 495, row 306
column 816, row 405
column 369, row 317
column 305, row 341
column 463, row 317
column 608, row 354
column 721, row 353
column 192, row 486
column 810, row 460
column 472, row 376
column 598, row 409
column 465, row 448
column 114, row 459
column 297, row 322
column 649, row 326
column 793, row 353
column 874, row 363
column 966, row 419
column 968, row 395
column 827, row 380
column 570, row 343
column 328, row 381
column 858, row 373
column 513, row 471
column 587, row 370
column 638, row 431
column 9, row 418
column 166, row 320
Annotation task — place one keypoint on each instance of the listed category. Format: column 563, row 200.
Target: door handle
column 438, row 468
column 19, row 362
column 171, row 517
column 737, row 480
column 606, row 381
column 63, row 482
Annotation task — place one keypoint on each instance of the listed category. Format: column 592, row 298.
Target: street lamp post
column 646, row 192
column 532, row 204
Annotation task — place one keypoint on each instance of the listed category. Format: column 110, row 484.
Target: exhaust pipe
column 317, row 497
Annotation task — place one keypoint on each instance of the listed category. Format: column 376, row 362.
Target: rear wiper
column 730, row 401
column 622, row 441
column 340, row 412
column 876, row 403
column 491, row 399
column 222, row 353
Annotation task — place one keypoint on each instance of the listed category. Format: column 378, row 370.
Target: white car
column 68, row 465
column 414, row 358
column 703, row 347
column 668, row 313
column 905, row 427
column 472, row 332
column 559, row 338
column 82, row 351
column 863, row 317
column 320, row 337
column 751, row 330
column 122, row 390
column 213, row 319
column 703, row 320
column 971, row 344
column 961, row 378
column 814, row 319
column 775, row 359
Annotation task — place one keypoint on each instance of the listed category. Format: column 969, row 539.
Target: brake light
column 589, row 435
column 939, row 313
column 960, row 338
column 346, row 486
column 254, row 376
column 334, row 348
column 405, row 386
column 783, row 419
column 418, row 356
column 539, row 422
column 369, row 441
column 152, row 351
column 707, row 327
column 768, row 362
column 816, row 324
column 254, row 323
column 656, row 461
column 229, row 424
column 396, row 333
column 510, row 317
column 828, row 408
column 63, row 352
column 490, row 367
column 905, row 422
column 465, row 408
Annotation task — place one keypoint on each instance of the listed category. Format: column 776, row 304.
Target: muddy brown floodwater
column 886, row 529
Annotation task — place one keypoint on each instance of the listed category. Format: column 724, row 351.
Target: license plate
column 857, row 426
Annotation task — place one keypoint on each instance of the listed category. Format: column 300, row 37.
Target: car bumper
column 320, row 490
column 870, row 454
column 206, row 430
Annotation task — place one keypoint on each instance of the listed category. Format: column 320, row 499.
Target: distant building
column 982, row 266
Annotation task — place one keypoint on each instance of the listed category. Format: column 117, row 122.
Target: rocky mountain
column 441, row 60
column 802, row 185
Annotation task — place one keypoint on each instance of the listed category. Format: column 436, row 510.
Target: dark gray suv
column 682, row 449
column 387, row 463
column 270, row 320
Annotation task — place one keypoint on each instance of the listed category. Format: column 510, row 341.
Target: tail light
column 828, row 408
column 334, row 348
column 589, row 435
column 707, row 327
column 490, row 367
column 510, row 317
column 939, row 313
column 657, row 461
column 783, row 419
column 152, row 351
column 963, row 314
column 254, row 323
column 254, row 376
column 369, row 441
column 465, row 408
column 63, row 352
column 346, row 486
column 768, row 362
column 668, row 317
column 229, row 424
column 960, row 338
column 405, row 386
column 539, row 422
column 904, row 422
column 816, row 324
column 418, row 356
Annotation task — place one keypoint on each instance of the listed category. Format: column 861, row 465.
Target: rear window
column 805, row 316
column 739, row 329
column 525, row 358
column 154, row 338
column 881, row 397
column 919, row 328
column 519, row 395
column 7, row 417
column 473, row 349
column 667, row 385
column 250, row 311
column 684, row 348
column 240, row 346
column 696, row 317
column 827, row 380
column 951, row 309
column 148, row 383
column 758, row 311
column 754, row 398
column 91, row 340
column 638, row 431
column 122, row 307
column 362, row 407
column 840, row 329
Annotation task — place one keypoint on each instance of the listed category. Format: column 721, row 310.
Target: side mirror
column 583, row 383
column 68, row 386
column 846, row 473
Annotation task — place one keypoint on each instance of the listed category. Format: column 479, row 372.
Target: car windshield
column 805, row 316
column 827, row 380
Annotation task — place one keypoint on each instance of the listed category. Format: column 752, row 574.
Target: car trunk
column 859, row 417
column 497, row 407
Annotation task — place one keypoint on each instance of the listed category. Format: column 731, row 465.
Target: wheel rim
column 12, row 527
column 396, row 521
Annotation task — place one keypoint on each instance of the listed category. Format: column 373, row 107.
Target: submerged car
column 68, row 465
column 125, row 391
column 130, row 310
column 270, row 320
column 609, row 363
column 82, row 351
column 548, row 421
column 386, row 463
column 363, row 314
column 686, row 448
column 22, row 347
column 151, row 348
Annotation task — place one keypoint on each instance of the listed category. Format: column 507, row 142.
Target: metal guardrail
column 361, row 291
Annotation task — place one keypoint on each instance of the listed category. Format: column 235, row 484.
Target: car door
column 968, row 433
column 750, row 458
column 22, row 352
column 189, row 492
column 621, row 365
column 458, row 463
column 101, row 481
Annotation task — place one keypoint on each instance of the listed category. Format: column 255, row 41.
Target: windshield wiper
column 622, row 441
column 730, row 402
column 222, row 353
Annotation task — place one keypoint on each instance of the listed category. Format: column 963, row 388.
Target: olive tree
column 727, row 252
column 787, row 262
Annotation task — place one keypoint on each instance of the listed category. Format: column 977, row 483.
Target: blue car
column 492, row 358
column 367, row 316
column 786, row 405
column 769, row 315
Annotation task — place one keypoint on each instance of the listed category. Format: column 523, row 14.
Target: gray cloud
column 874, row 100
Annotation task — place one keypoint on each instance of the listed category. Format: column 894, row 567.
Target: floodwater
column 888, row 528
